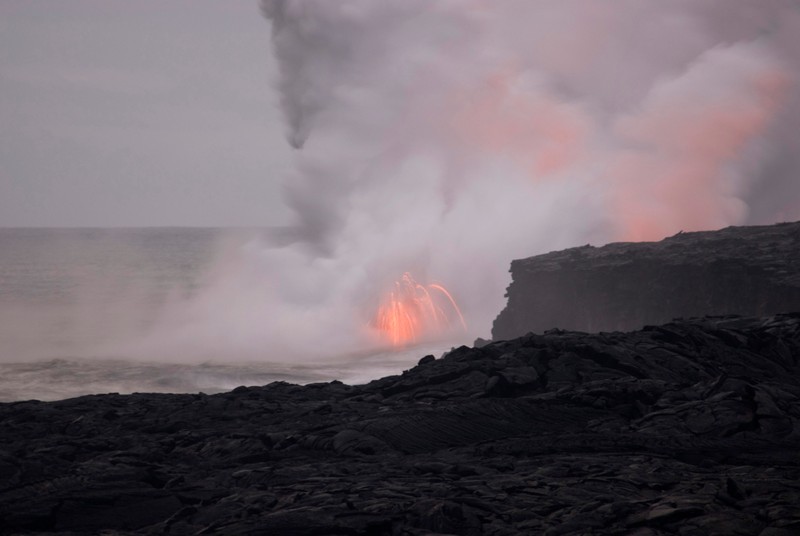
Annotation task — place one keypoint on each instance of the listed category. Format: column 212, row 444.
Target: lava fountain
column 412, row 311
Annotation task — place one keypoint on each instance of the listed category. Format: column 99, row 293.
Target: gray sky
column 138, row 113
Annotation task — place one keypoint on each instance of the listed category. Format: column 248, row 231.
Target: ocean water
column 68, row 297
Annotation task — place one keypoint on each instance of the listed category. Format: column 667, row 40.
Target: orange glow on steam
column 412, row 311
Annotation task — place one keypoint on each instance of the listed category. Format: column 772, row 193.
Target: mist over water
column 122, row 310
column 67, row 292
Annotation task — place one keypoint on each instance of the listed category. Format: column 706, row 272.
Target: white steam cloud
column 448, row 137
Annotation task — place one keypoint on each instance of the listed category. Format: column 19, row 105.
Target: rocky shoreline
column 689, row 428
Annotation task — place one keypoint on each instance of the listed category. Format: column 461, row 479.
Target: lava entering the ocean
column 413, row 311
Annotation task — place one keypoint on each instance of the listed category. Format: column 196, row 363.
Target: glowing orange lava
column 412, row 311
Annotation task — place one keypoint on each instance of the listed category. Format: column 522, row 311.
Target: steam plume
column 451, row 136
column 445, row 138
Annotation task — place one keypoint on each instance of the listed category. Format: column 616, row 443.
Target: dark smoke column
column 313, row 60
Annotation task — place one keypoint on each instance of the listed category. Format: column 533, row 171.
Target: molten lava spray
column 412, row 311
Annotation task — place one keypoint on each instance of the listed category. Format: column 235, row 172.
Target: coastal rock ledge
column 689, row 428
column 749, row 271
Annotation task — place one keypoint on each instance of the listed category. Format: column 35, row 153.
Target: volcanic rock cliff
column 690, row 428
column 624, row 286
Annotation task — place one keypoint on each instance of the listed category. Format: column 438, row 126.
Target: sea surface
column 67, row 296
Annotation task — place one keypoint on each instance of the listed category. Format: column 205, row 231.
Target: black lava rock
column 692, row 427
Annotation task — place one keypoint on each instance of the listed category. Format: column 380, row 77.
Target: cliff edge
column 624, row 286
